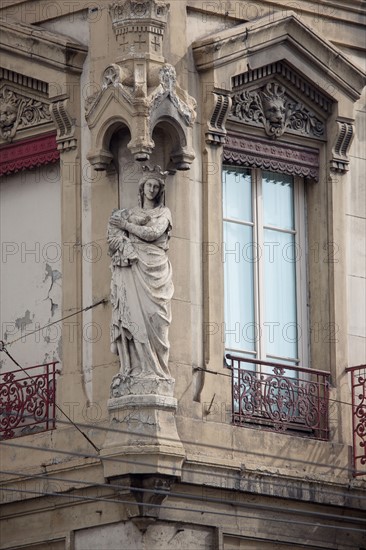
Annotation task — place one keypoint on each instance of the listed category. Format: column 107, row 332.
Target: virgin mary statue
column 142, row 287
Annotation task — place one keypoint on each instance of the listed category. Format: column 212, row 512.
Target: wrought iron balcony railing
column 28, row 400
column 358, row 378
column 279, row 397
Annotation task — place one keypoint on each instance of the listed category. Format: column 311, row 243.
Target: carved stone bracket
column 340, row 158
column 140, row 90
column 259, row 153
column 143, row 495
column 19, row 111
column 65, row 126
column 272, row 108
column 216, row 132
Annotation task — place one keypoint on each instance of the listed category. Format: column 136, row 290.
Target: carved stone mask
column 8, row 115
column 273, row 100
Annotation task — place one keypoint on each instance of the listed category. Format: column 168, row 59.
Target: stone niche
column 140, row 115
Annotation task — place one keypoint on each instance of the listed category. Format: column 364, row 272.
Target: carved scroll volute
column 340, row 159
column 64, row 124
column 216, row 131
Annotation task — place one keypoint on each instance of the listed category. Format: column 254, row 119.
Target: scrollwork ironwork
column 280, row 398
column 359, row 418
column 27, row 401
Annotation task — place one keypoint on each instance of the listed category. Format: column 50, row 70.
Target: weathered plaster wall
column 31, row 275
column 157, row 537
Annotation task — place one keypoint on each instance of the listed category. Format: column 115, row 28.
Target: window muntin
column 264, row 265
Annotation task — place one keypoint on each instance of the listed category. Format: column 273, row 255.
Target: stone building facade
column 256, row 112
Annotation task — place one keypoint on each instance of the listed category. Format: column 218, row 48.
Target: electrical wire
column 185, row 509
column 93, row 426
column 210, row 446
column 102, row 301
column 144, row 464
column 3, row 348
column 252, row 506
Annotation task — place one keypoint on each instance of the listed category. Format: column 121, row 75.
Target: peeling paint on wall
column 22, row 322
column 31, row 277
column 54, row 275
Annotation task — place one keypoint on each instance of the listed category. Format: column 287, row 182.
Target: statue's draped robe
column 141, row 291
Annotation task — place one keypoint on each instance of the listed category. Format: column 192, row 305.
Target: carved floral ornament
column 272, row 108
column 18, row 111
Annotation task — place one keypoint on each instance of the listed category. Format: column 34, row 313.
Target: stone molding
column 252, row 151
column 340, row 159
column 29, row 153
column 24, row 81
column 54, row 50
column 265, row 41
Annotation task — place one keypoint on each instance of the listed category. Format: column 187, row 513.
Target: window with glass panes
column 263, row 253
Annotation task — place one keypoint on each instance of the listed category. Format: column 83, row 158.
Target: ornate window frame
column 286, row 62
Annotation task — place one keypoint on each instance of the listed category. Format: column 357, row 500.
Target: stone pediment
column 20, row 109
column 277, row 109
column 283, row 79
column 254, row 45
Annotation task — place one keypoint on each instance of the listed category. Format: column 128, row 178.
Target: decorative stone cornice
column 265, row 41
column 260, row 153
column 340, row 158
column 19, row 111
column 272, row 108
column 216, row 132
column 65, row 126
column 24, row 81
column 39, row 45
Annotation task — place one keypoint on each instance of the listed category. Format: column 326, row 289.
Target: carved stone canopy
column 140, row 90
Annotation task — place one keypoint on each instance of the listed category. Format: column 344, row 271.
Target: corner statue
column 142, row 287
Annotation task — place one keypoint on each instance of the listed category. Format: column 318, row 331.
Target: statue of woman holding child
column 142, row 287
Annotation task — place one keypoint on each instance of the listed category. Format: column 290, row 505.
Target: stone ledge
column 140, row 400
